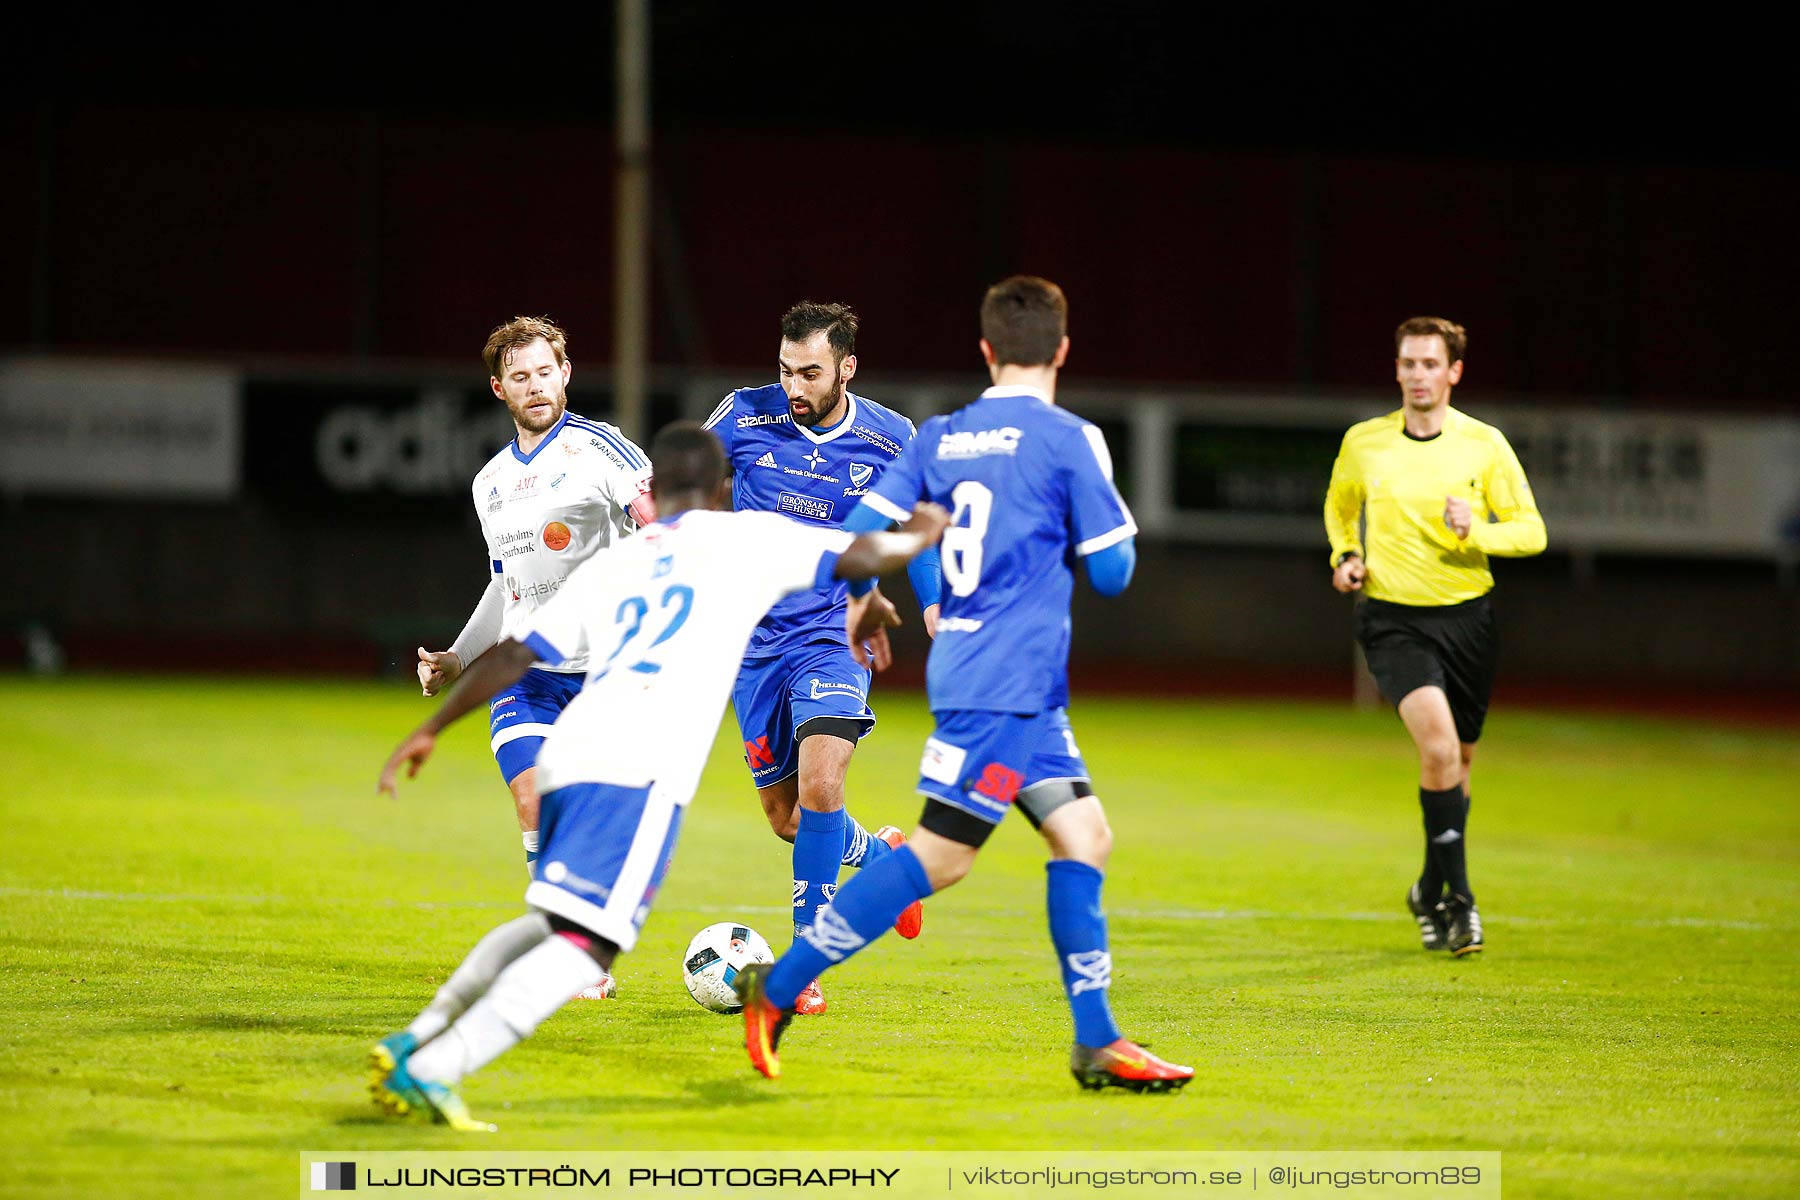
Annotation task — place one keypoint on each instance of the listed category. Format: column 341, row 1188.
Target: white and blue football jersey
column 584, row 487
column 1030, row 489
column 811, row 476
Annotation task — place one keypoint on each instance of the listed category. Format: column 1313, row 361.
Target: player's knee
column 784, row 822
column 1088, row 841
column 948, row 874
column 1440, row 757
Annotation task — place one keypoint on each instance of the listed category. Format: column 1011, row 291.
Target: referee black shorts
column 1453, row 647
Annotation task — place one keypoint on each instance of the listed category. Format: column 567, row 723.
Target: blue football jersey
column 1030, row 486
column 815, row 477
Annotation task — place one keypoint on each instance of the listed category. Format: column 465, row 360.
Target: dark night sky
column 1418, row 82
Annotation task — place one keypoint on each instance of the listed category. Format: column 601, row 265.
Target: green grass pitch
column 208, row 916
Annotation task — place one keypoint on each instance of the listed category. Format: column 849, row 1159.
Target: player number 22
column 962, row 543
column 636, row 608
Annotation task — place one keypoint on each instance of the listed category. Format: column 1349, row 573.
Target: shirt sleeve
column 902, row 484
column 1098, row 517
column 722, row 423
column 1517, row 529
column 483, row 628
column 1343, row 505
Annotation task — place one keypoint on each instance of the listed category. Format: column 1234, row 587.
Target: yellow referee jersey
column 1399, row 483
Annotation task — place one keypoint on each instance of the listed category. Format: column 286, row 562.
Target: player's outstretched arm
column 483, row 677
column 872, row 554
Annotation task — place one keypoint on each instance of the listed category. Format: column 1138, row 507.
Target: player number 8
column 962, row 543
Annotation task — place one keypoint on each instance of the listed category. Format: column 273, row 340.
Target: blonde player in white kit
column 663, row 619
column 561, row 490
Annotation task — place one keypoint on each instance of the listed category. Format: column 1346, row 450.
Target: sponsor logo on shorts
column 942, row 761
column 999, row 783
column 823, row 689
column 979, row 443
column 556, row 535
column 861, row 475
column 958, row 625
column 805, row 506
column 499, row 700
column 759, row 754
column 558, row 873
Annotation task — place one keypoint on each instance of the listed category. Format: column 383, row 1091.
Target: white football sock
column 478, row 971
column 534, row 986
column 530, row 838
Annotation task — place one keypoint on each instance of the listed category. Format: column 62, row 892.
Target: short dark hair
column 685, row 454
column 1456, row 338
column 1024, row 319
column 838, row 321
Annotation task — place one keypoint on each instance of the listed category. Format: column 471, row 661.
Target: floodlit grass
column 208, row 916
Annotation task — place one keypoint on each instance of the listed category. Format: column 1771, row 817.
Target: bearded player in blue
column 809, row 448
column 1031, row 489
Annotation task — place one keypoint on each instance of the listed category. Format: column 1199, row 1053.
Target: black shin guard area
column 950, row 822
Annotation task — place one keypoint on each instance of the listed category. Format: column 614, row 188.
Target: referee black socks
column 1446, row 815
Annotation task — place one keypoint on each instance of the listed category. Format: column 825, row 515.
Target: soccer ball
column 713, row 959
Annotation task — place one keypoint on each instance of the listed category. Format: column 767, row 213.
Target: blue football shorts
column 605, row 850
column 775, row 696
column 520, row 716
column 979, row 762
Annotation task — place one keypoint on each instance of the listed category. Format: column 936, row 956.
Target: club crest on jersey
column 557, row 482
column 861, row 474
column 979, row 443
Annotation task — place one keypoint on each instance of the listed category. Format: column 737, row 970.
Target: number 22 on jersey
column 635, row 609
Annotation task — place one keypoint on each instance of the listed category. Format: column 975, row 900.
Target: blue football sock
column 861, row 848
column 818, row 845
column 863, row 911
column 1078, row 930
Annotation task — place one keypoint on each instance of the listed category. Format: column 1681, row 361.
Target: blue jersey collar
column 549, row 436
column 836, row 431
